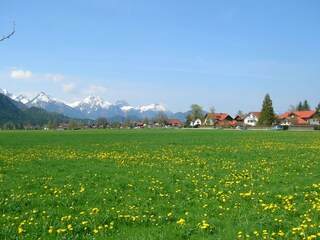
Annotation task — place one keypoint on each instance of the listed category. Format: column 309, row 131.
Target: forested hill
column 11, row 113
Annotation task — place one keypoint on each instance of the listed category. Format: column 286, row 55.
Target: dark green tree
column 303, row 106
column 267, row 116
column 306, row 106
column 299, row 106
column 318, row 108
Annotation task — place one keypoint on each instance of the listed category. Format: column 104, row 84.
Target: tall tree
column 306, row 106
column 303, row 106
column 318, row 108
column 267, row 116
column 196, row 111
column 299, row 106
column 161, row 117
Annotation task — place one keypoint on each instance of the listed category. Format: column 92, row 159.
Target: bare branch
column 10, row 34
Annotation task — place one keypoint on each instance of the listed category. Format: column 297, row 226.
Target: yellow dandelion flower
column 181, row 221
column 21, row 230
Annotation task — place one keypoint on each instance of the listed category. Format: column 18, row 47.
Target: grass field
column 159, row 184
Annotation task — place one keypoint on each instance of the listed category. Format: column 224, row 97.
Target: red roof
column 301, row 114
column 297, row 120
column 226, row 123
column 240, row 117
column 305, row 114
column 172, row 122
column 219, row 116
column 257, row 114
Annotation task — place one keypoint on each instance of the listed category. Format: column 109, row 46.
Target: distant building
column 251, row 118
column 172, row 123
column 300, row 118
column 219, row 120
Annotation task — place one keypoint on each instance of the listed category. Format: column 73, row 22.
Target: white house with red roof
column 251, row 118
column 300, row 118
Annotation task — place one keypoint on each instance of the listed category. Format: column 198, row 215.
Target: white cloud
column 20, row 74
column 68, row 87
column 95, row 90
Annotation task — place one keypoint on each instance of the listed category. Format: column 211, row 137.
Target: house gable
column 251, row 118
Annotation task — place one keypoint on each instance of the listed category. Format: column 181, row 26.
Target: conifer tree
column 306, row 106
column 267, row 116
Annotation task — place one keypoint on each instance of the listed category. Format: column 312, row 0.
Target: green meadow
column 159, row 184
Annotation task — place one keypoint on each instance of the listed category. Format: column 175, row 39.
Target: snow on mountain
column 128, row 108
column 74, row 104
column 7, row 93
column 92, row 103
column 41, row 99
column 22, row 99
column 51, row 104
column 91, row 107
column 153, row 107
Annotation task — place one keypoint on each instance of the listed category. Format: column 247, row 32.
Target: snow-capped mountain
column 41, row 100
column 154, row 107
column 94, row 107
column 91, row 107
column 121, row 103
column 91, row 104
column 22, row 99
column 7, row 93
column 51, row 104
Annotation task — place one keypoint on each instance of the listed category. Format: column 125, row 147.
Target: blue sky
column 226, row 54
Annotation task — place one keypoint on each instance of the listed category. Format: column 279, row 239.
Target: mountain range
column 93, row 107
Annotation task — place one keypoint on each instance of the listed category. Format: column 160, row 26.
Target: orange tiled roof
column 226, row 123
column 173, row 121
column 218, row 116
column 301, row 114
column 297, row 120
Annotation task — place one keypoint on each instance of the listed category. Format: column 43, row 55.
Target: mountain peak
column 42, row 97
column 154, row 107
column 121, row 103
column 22, row 99
column 92, row 103
column 7, row 93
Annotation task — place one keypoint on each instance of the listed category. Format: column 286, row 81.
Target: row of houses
column 291, row 118
column 295, row 118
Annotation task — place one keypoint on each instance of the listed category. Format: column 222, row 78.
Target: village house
column 196, row 122
column 172, row 123
column 251, row 118
column 300, row 118
column 240, row 119
column 219, row 120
